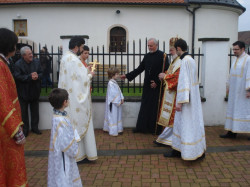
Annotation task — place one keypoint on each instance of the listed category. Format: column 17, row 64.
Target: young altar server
column 62, row 167
column 114, row 100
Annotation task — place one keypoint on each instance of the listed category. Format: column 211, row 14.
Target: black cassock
column 152, row 63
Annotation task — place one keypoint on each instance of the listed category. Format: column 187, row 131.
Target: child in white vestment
column 62, row 167
column 114, row 100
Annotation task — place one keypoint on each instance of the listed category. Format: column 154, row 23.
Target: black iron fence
column 125, row 61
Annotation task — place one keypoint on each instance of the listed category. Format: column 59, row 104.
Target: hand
column 227, row 90
column 248, row 94
column 153, row 84
column 123, row 77
column 161, row 76
column 122, row 101
column 92, row 73
column 89, row 68
column 178, row 107
column 34, row 76
column 21, row 142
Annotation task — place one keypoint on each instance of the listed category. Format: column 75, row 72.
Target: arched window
column 117, row 39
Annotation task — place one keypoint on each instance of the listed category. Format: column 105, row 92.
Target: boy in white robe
column 62, row 167
column 114, row 100
column 188, row 141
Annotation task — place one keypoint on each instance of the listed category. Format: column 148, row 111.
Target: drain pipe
column 193, row 28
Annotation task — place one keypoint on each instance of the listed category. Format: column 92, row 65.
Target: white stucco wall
column 216, row 22
column 215, row 67
column 130, row 114
column 47, row 24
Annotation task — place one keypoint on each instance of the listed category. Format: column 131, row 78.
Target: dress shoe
column 160, row 144
column 135, row 130
column 229, row 135
column 172, row 154
column 201, row 157
column 157, row 143
column 26, row 133
column 36, row 132
column 84, row 161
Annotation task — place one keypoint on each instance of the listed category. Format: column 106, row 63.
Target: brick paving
column 230, row 168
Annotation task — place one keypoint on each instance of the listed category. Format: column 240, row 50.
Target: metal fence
column 126, row 61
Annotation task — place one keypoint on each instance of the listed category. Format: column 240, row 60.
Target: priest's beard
column 78, row 53
column 174, row 56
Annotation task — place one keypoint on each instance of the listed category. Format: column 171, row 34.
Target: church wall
column 215, row 22
column 130, row 114
column 47, row 24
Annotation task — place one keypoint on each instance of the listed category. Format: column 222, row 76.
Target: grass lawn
column 101, row 92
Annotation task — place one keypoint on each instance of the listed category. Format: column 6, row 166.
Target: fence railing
column 126, row 61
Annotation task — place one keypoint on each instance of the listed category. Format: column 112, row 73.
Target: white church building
column 211, row 25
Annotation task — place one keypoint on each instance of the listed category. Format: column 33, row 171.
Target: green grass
column 126, row 92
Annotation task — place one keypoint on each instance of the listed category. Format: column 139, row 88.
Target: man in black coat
column 28, row 74
column 45, row 61
column 153, row 63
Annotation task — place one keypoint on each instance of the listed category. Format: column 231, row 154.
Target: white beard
column 174, row 56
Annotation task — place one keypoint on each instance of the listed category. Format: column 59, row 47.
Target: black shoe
column 160, row 144
column 249, row 138
column 135, row 130
column 26, row 133
column 202, row 157
column 84, row 161
column 157, row 143
column 229, row 135
column 172, row 154
column 36, row 132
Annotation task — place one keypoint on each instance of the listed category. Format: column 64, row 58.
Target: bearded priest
column 76, row 79
column 188, row 140
column 167, row 107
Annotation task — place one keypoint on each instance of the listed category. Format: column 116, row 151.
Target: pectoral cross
column 94, row 65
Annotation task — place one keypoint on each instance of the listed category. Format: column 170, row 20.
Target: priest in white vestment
column 76, row 79
column 113, row 106
column 167, row 108
column 188, row 141
column 238, row 89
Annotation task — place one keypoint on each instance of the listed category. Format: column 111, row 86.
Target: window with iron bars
column 117, row 40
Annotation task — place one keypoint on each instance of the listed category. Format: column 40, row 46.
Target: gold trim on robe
column 168, row 100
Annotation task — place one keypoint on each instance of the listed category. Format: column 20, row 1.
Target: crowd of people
column 170, row 106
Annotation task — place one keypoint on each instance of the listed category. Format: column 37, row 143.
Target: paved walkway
column 133, row 160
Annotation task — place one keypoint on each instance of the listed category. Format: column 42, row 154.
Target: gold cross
column 94, row 65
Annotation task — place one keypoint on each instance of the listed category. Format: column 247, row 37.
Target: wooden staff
column 159, row 100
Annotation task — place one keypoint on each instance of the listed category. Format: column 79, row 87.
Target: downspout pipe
column 193, row 27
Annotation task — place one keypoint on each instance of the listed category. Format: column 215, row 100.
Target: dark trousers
column 46, row 80
column 34, row 111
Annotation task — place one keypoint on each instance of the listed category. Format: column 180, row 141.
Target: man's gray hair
column 154, row 40
column 24, row 49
